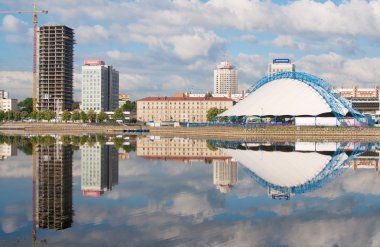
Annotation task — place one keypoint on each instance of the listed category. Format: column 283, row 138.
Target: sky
column 168, row 46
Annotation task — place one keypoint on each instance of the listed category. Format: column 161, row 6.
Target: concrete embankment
column 291, row 133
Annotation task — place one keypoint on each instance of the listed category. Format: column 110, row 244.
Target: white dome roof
column 285, row 169
column 283, row 97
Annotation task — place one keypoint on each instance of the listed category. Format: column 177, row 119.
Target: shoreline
column 289, row 133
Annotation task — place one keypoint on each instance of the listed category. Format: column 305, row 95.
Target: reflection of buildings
column 179, row 149
column 54, row 186
column 7, row 150
column 368, row 160
column 224, row 174
column 100, row 169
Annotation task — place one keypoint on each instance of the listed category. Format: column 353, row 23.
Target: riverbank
column 290, row 133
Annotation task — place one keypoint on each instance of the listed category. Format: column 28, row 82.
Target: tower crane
column 34, row 12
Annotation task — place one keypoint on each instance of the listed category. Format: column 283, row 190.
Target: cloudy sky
column 167, row 46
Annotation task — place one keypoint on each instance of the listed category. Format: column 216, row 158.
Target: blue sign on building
column 281, row 60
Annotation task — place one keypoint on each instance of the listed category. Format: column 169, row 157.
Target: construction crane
column 34, row 12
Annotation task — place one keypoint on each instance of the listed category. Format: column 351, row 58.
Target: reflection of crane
column 34, row 12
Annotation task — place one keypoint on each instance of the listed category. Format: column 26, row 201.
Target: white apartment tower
column 100, row 86
column 225, row 79
column 281, row 65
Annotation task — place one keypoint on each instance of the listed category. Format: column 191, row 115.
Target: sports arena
column 294, row 98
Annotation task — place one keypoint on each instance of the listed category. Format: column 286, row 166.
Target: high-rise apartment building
column 225, row 174
column 100, row 86
column 225, row 79
column 55, row 69
column 100, row 169
column 281, row 65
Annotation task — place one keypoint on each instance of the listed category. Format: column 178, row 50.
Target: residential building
column 235, row 97
column 179, row 109
column 55, row 68
column 225, row 79
column 100, row 86
column 123, row 98
column 281, row 65
column 100, row 169
column 7, row 150
column 8, row 104
column 365, row 100
column 225, row 174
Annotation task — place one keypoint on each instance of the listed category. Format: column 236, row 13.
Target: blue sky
column 167, row 46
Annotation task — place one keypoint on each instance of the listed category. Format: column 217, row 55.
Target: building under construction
column 55, row 75
column 54, row 187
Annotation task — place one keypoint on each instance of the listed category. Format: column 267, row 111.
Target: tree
column 16, row 115
column 2, row 116
column 24, row 114
column 33, row 115
column 213, row 112
column 91, row 115
column 75, row 116
column 49, row 115
column 83, row 116
column 41, row 115
column 26, row 105
column 102, row 116
column 118, row 114
column 75, row 105
column 66, row 115
column 208, row 95
column 129, row 106
column 118, row 142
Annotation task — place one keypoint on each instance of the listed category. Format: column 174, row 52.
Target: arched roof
column 284, row 169
column 284, row 96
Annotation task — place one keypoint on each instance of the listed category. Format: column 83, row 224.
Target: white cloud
column 287, row 41
column 92, row 34
column 12, row 24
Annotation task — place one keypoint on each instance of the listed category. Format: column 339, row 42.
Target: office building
column 7, row 104
column 225, row 79
column 225, row 174
column 179, row 109
column 100, row 86
column 100, row 169
column 54, row 185
column 55, row 69
column 281, row 65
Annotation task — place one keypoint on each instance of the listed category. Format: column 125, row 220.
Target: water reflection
column 100, row 169
column 54, row 195
column 7, row 150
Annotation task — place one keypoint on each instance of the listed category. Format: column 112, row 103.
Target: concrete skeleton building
column 281, row 65
column 55, row 68
column 179, row 109
column 100, row 86
column 99, row 169
column 225, row 79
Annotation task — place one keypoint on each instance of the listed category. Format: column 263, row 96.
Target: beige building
column 179, row 109
column 225, row 174
column 179, row 149
column 365, row 100
column 225, row 78
column 8, row 105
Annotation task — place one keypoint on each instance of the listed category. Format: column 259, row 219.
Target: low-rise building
column 179, row 109
column 365, row 100
column 7, row 104
column 281, row 65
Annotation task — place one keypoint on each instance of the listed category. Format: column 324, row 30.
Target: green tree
column 16, row 115
column 24, row 114
column 102, row 116
column 75, row 105
column 101, row 139
column 33, row 115
column 66, row 140
column 213, row 112
column 2, row 116
column 129, row 106
column 91, row 115
column 118, row 142
column 40, row 115
column 208, row 95
column 49, row 115
column 118, row 114
column 66, row 115
column 26, row 105
column 83, row 116
column 75, row 116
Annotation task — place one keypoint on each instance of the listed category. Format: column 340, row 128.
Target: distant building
column 7, row 150
column 224, row 174
column 100, row 169
column 123, row 98
column 100, row 86
column 281, row 65
column 235, row 97
column 55, row 68
column 179, row 109
column 7, row 104
column 225, row 79
column 365, row 100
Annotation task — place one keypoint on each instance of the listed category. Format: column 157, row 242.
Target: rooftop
column 185, row 99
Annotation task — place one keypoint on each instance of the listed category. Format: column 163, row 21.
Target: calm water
column 181, row 192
